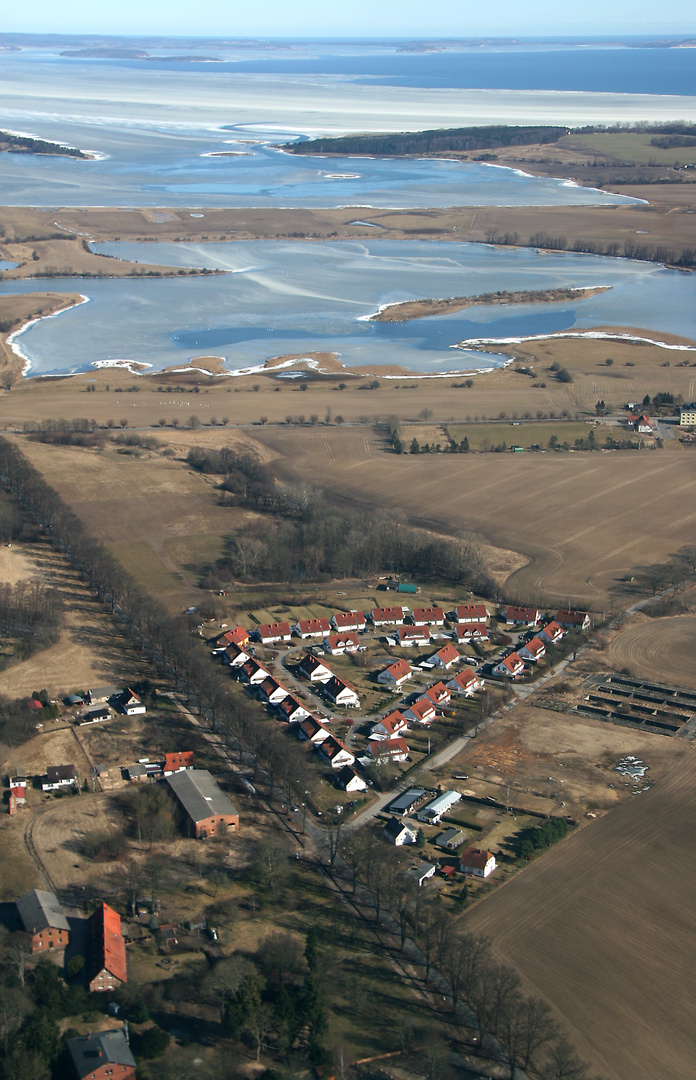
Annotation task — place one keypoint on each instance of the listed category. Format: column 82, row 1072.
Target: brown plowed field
column 602, row 926
column 580, row 518
column 658, row 649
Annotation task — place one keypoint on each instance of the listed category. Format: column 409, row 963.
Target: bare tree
column 260, row 1024
column 562, row 1063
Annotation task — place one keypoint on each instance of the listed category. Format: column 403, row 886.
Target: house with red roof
column 466, row 683
column 253, row 673
column 512, row 667
column 573, row 620
column 341, row 692
column 333, row 751
column 522, row 616
column 470, row 632
column 468, row 613
column 311, row 628
column 237, row 636
column 422, row 711
column 389, row 727
column 235, row 656
column 445, row 657
column 106, row 950
column 552, row 633
column 477, row 862
column 439, row 694
column 532, row 650
column 315, row 669
column 178, row 761
column 292, row 710
column 270, row 633
column 348, row 620
column 312, row 730
column 387, row 616
column 389, row 750
column 338, row 644
column 395, row 675
column 413, row 635
column 432, row 616
column 272, row 691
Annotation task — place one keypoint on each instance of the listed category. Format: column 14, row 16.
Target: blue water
column 280, row 298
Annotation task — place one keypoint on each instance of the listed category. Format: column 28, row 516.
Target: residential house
column 237, row 636
column 145, row 770
column 389, row 727
column 573, row 620
column 422, row 711
column 129, row 703
column 464, row 632
column 18, row 791
column 292, row 710
column 388, row 750
column 272, row 691
column 315, row 669
column 348, row 620
column 450, row 839
column 511, row 667
column 235, row 655
column 532, row 650
column 253, row 673
column 106, row 950
column 687, row 415
column 435, row 810
column 522, row 616
column 412, row 635
column 641, row 423
column 552, row 633
column 333, row 751
column 439, row 694
column 313, row 730
column 338, row 644
column 341, row 692
column 445, row 657
column 387, row 616
column 271, row 633
column 102, row 1055
column 98, row 715
column 311, row 628
column 422, row 873
column 59, row 777
column 399, row 833
column 99, row 694
column 207, row 808
column 469, row 613
column 349, row 780
column 432, row 616
column 178, row 761
column 467, row 682
column 44, row 920
column 405, row 803
column 395, row 675
column 477, row 862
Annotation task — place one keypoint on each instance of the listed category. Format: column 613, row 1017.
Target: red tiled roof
column 276, row 629
column 332, row 747
column 447, row 654
column 528, row 614
column 571, row 618
column 399, row 669
column 334, row 641
column 314, row 626
column 467, row 612
column 383, row 614
column 349, row 618
column 110, row 948
column 464, row 630
column 388, row 748
column 536, row 645
column 423, row 709
column 428, row 615
column 415, row 632
column 476, row 858
column 513, row 662
column 181, row 759
column 438, row 693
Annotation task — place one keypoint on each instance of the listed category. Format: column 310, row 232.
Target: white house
column 253, row 673
column 468, row 613
column 573, row 620
column 422, row 711
column 399, row 833
column 312, row 730
column 272, row 691
column 467, row 682
column 532, row 650
column 350, row 780
column 422, row 873
column 58, row 777
column 389, row 727
column 412, row 635
column 470, row 632
column 338, row 644
column 389, row 750
column 477, row 862
column 552, row 633
column 292, row 710
column 341, row 693
column 311, row 628
column 445, row 657
column 235, row 656
column 511, row 667
column 315, row 669
column 348, row 620
column 270, row 633
column 387, row 616
column 522, row 616
column 433, row 616
column 439, row 694
column 333, row 751
column 395, row 675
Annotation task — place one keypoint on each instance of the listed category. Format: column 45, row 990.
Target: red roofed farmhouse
column 477, row 862
column 573, row 620
column 106, row 950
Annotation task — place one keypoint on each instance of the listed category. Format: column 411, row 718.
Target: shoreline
column 408, row 310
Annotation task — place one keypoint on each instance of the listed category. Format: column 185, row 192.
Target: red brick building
column 105, row 1055
column 44, row 920
column 106, row 950
column 208, row 810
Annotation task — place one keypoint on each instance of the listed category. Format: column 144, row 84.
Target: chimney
column 125, row 1031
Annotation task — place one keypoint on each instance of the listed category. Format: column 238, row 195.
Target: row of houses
column 532, row 651
column 338, row 691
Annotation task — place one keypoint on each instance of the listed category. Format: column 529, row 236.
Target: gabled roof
column 428, row 615
column 335, row 641
column 276, row 629
column 90, row 1052
column 571, row 618
column 311, row 663
column 438, row 693
column 469, row 612
column 237, row 636
column 180, row 759
column 234, row 650
column 394, row 828
column 513, row 662
column 332, row 747
column 335, row 685
column 476, row 858
column 40, row 910
column 388, row 748
column 387, row 614
column 392, row 723
column 552, row 629
column 290, row 705
column 270, row 685
column 54, row 773
column 314, row 626
column 535, row 647
column 313, row 727
column 464, row 630
column 522, row 614
column 252, row 667
column 423, row 709
column 199, row 794
column 343, row 619
column 106, row 947
column 400, row 669
column 464, row 679
column 447, row 654
column 420, row 633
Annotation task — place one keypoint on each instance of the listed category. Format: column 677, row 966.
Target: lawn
column 484, row 436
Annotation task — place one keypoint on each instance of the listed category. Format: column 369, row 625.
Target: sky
column 364, row 18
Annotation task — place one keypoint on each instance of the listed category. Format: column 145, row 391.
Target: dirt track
column 602, row 926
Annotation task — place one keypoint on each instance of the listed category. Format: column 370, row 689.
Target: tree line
column 438, row 140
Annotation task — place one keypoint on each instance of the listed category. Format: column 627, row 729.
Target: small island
column 25, row 144
column 420, row 309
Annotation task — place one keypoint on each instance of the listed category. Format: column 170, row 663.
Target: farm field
column 572, row 515
column 601, row 927
column 658, row 649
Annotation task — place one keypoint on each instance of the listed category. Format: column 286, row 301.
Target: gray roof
column 394, row 828
column 449, row 835
column 40, row 910
column 199, row 794
column 90, row 1052
column 404, row 802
